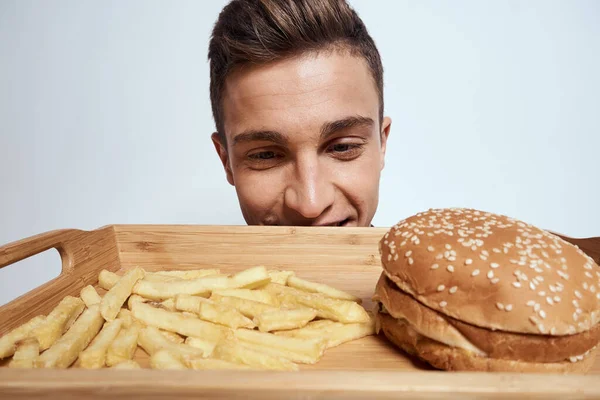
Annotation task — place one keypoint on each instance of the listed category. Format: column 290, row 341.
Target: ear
column 386, row 125
column 221, row 149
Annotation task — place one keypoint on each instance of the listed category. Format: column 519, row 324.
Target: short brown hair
column 262, row 31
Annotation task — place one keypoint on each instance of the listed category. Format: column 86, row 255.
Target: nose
column 310, row 192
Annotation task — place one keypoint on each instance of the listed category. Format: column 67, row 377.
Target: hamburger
column 467, row 290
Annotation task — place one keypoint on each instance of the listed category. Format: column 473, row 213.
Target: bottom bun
column 448, row 358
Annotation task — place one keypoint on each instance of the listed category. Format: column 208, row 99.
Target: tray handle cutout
column 58, row 239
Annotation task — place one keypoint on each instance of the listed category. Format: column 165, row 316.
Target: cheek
column 359, row 179
column 258, row 191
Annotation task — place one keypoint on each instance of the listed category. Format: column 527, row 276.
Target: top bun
column 493, row 271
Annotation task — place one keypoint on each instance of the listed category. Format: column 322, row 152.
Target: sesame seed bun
column 492, row 286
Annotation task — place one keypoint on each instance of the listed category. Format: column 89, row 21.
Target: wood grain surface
column 346, row 258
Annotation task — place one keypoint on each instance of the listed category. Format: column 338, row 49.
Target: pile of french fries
column 191, row 319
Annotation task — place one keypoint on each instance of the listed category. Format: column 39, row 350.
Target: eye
column 263, row 155
column 345, row 151
column 342, row 147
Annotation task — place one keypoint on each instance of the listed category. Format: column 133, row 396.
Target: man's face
column 304, row 143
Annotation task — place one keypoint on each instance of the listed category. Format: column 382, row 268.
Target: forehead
column 299, row 94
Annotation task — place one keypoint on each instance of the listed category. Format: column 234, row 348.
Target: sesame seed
column 439, row 256
column 451, row 258
column 578, row 294
column 549, row 300
column 508, row 307
column 495, row 280
column 448, row 247
column 490, row 274
column 585, row 286
column 533, row 319
column 443, row 304
column 579, row 311
column 531, row 303
column 494, row 265
column 541, row 328
column 408, row 253
column 395, row 257
column 450, row 268
column 475, row 272
column 542, row 314
column 513, row 261
column 541, row 293
column 473, row 247
column 500, row 306
column 516, row 284
column 557, row 299
column 389, row 257
column 441, row 288
column 453, row 289
column 495, row 250
column 537, row 307
column 410, row 261
column 430, row 248
column 468, row 261
column 484, row 258
column 435, row 266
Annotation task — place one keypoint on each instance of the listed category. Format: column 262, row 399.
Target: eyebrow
column 328, row 129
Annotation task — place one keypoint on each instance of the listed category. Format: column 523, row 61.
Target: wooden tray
column 347, row 258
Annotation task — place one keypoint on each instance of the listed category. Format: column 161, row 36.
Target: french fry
column 326, row 290
column 260, row 296
column 26, row 354
column 107, row 279
column 89, row 296
column 250, row 278
column 336, row 333
column 307, row 351
column 149, row 277
column 123, row 347
column 206, row 346
column 94, row 356
column 58, row 321
column 188, row 274
column 215, row 364
column 280, row 277
column 151, row 340
column 234, row 352
column 127, row 364
column 125, row 316
column 211, row 311
column 164, row 359
column 66, row 349
column 168, row 304
column 175, row 322
column 165, row 290
column 248, row 308
column 171, row 336
column 117, row 295
column 8, row 342
column 134, row 298
column 344, row 311
column 284, row 319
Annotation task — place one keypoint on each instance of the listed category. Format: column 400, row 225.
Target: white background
column 105, row 115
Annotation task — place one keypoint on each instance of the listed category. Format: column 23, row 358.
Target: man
column 297, row 97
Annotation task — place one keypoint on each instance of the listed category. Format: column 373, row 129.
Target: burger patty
column 440, row 356
column 495, row 344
